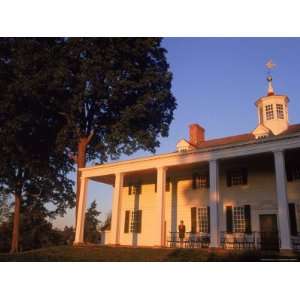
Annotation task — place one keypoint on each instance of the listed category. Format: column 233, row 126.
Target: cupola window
column 279, row 110
column 269, row 112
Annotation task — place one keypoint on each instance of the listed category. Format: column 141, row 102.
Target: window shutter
column 137, row 188
column 229, row 219
column 126, row 225
column 193, row 219
column 245, row 176
column 129, row 189
column 293, row 219
column 168, row 184
column 194, row 181
column 207, row 180
column 208, row 218
column 139, row 221
column 228, row 178
column 289, row 173
column 247, row 210
column 155, row 187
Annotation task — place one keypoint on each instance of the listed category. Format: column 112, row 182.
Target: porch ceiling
column 107, row 179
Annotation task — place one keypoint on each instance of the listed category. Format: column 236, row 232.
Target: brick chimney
column 197, row 134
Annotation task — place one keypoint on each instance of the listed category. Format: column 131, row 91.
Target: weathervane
column 270, row 65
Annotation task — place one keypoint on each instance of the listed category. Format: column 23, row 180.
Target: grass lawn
column 110, row 254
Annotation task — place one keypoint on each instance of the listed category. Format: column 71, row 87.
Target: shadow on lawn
column 191, row 255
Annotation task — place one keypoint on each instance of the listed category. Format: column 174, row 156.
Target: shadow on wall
column 136, row 208
column 174, row 205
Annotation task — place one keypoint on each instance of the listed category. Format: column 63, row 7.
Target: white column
column 214, row 198
column 161, row 184
column 79, row 233
column 282, row 201
column 116, row 207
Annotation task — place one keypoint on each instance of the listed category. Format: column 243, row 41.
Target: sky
column 216, row 82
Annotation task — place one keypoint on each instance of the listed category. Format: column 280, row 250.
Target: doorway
column 269, row 232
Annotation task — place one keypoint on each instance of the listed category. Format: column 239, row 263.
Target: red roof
column 241, row 138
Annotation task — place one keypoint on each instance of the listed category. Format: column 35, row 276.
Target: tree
column 31, row 168
column 5, row 217
column 91, row 224
column 87, row 99
column 4, row 207
column 119, row 97
column 107, row 222
column 36, row 228
column 68, row 235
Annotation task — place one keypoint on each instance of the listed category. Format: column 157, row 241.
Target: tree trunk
column 16, row 225
column 81, row 161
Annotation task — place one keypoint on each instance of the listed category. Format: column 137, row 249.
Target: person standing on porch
column 181, row 229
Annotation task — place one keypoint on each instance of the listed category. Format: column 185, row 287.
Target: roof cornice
column 199, row 150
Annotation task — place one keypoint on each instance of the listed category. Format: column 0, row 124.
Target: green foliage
column 31, row 166
column 67, row 235
column 4, row 207
column 36, row 229
column 107, row 223
column 91, row 233
column 55, row 91
column 119, row 91
column 30, row 163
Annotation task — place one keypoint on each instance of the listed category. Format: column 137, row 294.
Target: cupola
column 272, row 111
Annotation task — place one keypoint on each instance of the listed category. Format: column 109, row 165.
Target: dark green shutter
column 138, row 189
column 207, row 180
column 126, row 225
column 129, row 189
column 193, row 219
column 289, row 173
column 293, row 219
column 229, row 219
column 228, row 178
column 139, row 221
column 247, row 210
column 194, row 181
column 208, row 218
column 245, row 176
column 168, row 184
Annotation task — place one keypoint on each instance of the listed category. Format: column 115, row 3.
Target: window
column 269, row 112
column 279, row 110
column 237, row 177
column 136, row 221
column 239, row 220
column 200, row 181
column 135, row 189
column 293, row 172
column 203, row 219
column 296, row 173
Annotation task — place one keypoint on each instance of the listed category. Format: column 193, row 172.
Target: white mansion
column 240, row 191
